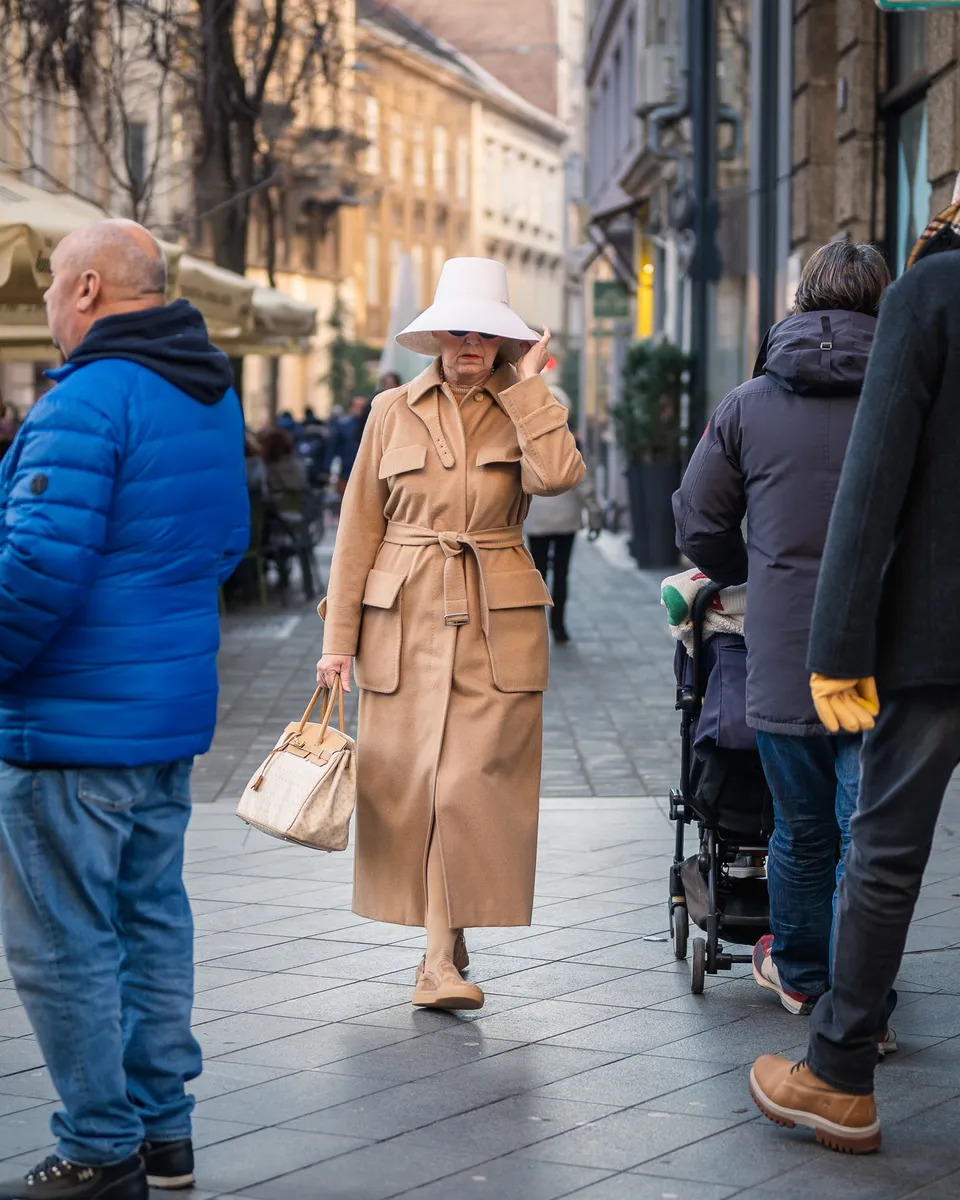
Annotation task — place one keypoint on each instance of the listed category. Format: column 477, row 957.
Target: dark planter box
column 651, row 487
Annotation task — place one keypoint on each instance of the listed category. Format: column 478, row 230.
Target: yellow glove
column 848, row 704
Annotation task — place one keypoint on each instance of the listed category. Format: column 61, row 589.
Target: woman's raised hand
column 535, row 356
column 332, row 665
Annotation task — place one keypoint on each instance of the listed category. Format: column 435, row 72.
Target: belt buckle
column 456, row 619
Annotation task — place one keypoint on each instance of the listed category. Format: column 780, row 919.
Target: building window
column 396, row 148
column 419, row 163
column 373, row 269
column 463, row 169
column 372, row 131
column 416, row 257
column 617, row 90
column 905, row 115
column 440, row 160
column 439, row 258
column 135, row 157
column 506, row 183
column 630, row 102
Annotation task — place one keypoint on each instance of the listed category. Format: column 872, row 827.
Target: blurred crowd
column 297, row 472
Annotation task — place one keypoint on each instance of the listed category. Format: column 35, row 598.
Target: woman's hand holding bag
column 305, row 790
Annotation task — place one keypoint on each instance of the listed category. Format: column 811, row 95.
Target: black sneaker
column 57, row 1179
column 169, row 1164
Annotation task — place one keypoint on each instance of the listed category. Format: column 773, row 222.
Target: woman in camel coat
column 434, row 593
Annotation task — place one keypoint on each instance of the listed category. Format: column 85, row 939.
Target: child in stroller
column 722, row 790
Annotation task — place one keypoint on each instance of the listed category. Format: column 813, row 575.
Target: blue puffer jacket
column 124, row 505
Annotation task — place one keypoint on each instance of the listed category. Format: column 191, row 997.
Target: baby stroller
column 722, row 790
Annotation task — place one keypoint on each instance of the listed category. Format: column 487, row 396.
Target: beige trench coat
column 433, row 590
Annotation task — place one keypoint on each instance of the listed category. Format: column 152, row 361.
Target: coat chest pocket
column 518, row 644
column 402, row 459
column 377, row 664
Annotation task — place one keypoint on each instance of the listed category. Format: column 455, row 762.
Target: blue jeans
column 814, row 783
column 99, row 936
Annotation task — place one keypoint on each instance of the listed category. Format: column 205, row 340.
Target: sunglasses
column 462, row 333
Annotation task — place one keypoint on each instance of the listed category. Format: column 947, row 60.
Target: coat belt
column 456, row 606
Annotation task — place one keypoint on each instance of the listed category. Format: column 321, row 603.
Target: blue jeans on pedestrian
column 814, row 783
column 99, row 937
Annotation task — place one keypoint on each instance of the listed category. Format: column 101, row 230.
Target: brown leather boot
column 461, row 959
column 445, row 988
column 790, row 1094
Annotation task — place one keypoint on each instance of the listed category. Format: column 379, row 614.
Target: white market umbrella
column 404, row 307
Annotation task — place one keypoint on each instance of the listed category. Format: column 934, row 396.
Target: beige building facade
column 456, row 164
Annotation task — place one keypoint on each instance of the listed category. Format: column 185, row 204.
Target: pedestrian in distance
column 434, row 593
column 886, row 631
column 773, row 453
column 551, row 527
column 347, row 435
column 125, row 505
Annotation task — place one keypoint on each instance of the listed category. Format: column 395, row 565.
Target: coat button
column 38, row 484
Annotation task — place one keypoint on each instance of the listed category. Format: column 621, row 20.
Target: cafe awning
column 242, row 317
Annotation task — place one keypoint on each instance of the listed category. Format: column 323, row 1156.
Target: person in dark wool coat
column 887, row 621
column 773, row 452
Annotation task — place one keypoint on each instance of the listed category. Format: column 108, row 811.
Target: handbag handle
column 326, row 707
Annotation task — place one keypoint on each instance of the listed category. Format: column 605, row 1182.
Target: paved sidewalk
column 591, row 1072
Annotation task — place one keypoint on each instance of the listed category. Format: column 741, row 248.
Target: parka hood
column 818, row 353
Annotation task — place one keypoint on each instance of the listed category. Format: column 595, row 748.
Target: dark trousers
column 553, row 551
column 905, row 766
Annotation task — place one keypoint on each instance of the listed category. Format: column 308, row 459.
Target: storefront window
column 913, row 186
column 908, row 186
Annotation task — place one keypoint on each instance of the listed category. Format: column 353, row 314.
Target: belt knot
column 451, row 543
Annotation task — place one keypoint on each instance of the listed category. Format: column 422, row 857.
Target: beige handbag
column 306, row 788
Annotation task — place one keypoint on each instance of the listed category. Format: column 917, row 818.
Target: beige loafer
column 461, row 959
column 447, row 989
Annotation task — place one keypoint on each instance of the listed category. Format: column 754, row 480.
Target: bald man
column 124, row 506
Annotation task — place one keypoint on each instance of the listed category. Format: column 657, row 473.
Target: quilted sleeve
column 239, row 540
column 57, row 495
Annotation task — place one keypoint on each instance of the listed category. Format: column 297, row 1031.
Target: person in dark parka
column 773, row 452
column 887, row 609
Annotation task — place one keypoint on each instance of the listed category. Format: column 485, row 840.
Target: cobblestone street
column 591, row 1071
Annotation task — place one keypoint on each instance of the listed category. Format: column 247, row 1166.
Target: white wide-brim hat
column 472, row 295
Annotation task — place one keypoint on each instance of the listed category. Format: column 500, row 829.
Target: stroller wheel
column 699, row 966
column 679, row 930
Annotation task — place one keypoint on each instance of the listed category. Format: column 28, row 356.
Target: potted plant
column 647, row 426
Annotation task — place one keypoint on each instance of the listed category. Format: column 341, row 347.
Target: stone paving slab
column 592, row 1071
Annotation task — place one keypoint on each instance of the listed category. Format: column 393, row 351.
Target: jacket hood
column 818, row 353
column 170, row 340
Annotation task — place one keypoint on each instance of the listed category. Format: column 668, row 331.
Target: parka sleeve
column 711, row 503
column 362, row 526
column 551, row 463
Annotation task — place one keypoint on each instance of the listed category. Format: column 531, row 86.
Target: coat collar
column 423, row 397
column 503, row 377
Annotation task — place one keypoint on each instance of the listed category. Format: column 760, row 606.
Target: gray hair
column 843, row 275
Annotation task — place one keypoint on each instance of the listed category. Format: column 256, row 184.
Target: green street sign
column 610, row 299
column 915, row 5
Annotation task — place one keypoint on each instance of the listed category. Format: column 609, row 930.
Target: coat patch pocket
column 498, row 454
column 377, row 664
column 402, row 459
column 518, row 644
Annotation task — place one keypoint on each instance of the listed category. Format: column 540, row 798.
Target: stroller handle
column 698, row 612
